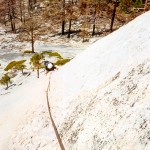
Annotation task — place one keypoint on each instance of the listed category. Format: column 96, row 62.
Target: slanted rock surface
column 100, row 100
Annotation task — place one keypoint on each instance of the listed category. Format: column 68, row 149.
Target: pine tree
column 36, row 62
column 20, row 66
column 5, row 80
column 31, row 30
column 16, row 65
column 10, row 66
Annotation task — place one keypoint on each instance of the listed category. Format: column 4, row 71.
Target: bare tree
column 31, row 29
column 11, row 12
column 71, row 15
column 3, row 12
column 22, row 10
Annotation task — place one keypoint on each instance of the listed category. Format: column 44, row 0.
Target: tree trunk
column 63, row 27
column 5, row 20
column 13, row 16
column 22, row 71
column 32, row 46
column 24, row 18
column 21, row 13
column 32, row 41
column 14, row 24
column 21, row 18
column 83, row 39
column 11, row 22
column 63, row 21
column 113, row 16
column 29, row 5
column 10, row 16
column 93, row 32
column 7, row 85
column 38, row 73
column 69, row 31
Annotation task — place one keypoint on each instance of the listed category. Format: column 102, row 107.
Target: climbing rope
column 51, row 118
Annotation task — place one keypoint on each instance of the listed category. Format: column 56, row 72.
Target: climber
column 49, row 66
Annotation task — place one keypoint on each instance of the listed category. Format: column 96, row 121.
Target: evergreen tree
column 20, row 66
column 5, row 80
column 31, row 30
column 17, row 65
column 10, row 66
column 36, row 62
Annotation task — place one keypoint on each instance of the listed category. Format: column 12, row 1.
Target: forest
column 84, row 18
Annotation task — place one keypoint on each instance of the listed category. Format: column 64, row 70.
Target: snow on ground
column 100, row 100
column 26, row 92
column 17, row 101
column 65, row 50
column 11, row 49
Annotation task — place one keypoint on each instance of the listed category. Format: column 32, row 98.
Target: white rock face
column 103, row 94
column 125, row 47
column 100, row 100
column 116, row 116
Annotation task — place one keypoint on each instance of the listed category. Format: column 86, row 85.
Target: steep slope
column 103, row 59
column 100, row 100
column 114, row 117
column 102, row 95
column 95, row 66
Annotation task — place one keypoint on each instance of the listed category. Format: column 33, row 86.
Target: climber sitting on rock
column 49, row 66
